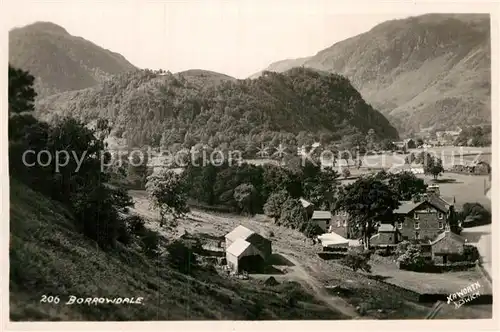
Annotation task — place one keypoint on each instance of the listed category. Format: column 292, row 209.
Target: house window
column 338, row 223
column 440, row 225
column 417, row 225
column 440, row 215
column 345, row 223
column 400, row 225
column 415, row 216
column 417, row 236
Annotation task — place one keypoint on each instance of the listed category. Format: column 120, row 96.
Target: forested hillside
column 148, row 108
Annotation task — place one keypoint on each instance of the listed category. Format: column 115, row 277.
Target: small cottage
column 387, row 235
column 322, row 219
column 446, row 247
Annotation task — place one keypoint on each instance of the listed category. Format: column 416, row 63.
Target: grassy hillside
column 60, row 61
column 424, row 71
column 49, row 257
column 153, row 109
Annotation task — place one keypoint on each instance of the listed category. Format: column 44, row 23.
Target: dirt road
column 334, row 302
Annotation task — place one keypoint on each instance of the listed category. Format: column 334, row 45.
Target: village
column 425, row 250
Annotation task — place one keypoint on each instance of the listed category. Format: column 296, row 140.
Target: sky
column 237, row 38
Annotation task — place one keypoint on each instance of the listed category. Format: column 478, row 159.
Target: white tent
column 333, row 240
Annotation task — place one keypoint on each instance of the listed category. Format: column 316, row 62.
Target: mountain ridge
column 445, row 58
column 60, row 61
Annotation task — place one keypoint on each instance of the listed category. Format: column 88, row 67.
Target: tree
column 370, row 139
column 138, row 169
column 387, row 145
column 245, row 196
column 274, row 204
column 167, row 193
column 320, row 186
column 21, row 92
column 434, row 167
column 411, row 144
column 406, row 185
column 474, row 214
column 367, row 201
column 346, row 155
column 293, row 214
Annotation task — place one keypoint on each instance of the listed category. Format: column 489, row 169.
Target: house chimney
column 433, row 189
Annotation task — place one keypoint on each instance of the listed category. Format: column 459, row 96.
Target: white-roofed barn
column 245, row 249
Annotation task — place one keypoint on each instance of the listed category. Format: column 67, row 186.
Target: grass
column 427, row 283
column 49, row 257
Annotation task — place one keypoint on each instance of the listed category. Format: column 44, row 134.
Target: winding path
column 333, row 302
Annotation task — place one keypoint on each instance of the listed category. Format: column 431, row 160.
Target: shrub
column 181, row 256
column 412, row 257
column 150, row 241
column 123, row 233
column 383, row 252
column 401, row 248
column 471, row 254
column 135, row 224
column 358, row 260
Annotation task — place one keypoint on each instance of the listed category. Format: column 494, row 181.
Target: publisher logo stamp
column 466, row 294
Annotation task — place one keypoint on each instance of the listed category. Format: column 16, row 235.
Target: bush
column 135, row 225
column 412, row 257
column 150, row 241
column 358, row 260
column 181, row 256
column 471, row 254
column 401, row 248
column 124, row 235
column 383, row 251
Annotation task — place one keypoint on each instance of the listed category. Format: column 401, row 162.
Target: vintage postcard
column 298, row 164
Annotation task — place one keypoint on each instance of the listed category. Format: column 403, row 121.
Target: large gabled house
column 423, row 219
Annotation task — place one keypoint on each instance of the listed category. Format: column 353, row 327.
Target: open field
column 465, row 188
column 428, row 283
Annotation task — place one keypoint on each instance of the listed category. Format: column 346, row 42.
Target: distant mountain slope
column 151, row 108
column 204, row 78
column 60, row 61
column 426, row 71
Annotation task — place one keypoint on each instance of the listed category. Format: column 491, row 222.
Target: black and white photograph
column 249, row 161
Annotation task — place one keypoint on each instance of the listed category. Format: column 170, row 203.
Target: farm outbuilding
column 447, row 246
column 322, row 219
column 246, row 249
